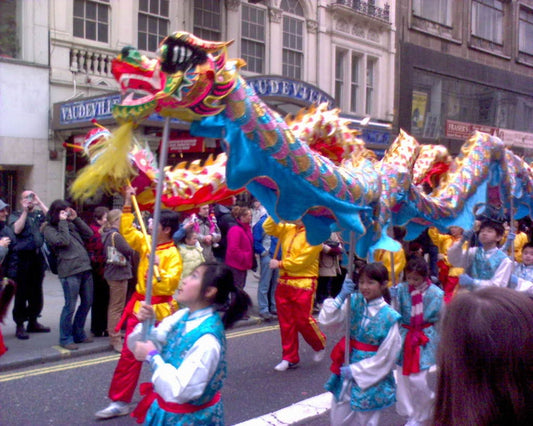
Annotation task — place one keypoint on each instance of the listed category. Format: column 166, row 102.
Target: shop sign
column 190, row 144
column 88, row 109
column 514, row 138
column 274, row 86
column 462, row 131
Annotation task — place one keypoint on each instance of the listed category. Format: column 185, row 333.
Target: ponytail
column 231, row 301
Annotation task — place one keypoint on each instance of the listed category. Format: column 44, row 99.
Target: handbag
column 114, row 257
column 50, row 257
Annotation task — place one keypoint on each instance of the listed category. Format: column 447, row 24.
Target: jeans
column 78, row 284
column 268, row 281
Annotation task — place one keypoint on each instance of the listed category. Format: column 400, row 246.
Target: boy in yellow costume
column 168, row 261
column 295, row 293
column 448, row 274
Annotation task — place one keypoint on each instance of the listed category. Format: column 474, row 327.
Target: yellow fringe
column 110, row 166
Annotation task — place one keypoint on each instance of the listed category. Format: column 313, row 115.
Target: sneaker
column 266, row 316
column 319, row 356
column 115, row 409
column 70, row 346
column 285, row 365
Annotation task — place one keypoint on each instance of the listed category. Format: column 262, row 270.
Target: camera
column 31, row 197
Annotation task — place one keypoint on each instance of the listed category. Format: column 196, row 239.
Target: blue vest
column 483, row 268
column 177, row 345
column 383, row 393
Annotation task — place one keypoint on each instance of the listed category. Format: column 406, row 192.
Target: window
column 339, row 75
column 207, row 19
column 354, row 83
column 253, row 38
column 487, row 20
column 91, row 19
column 153, row 23
column 525, row 31
column 293, row 28
column 8, row 29
column 439, row 11
column 370, row 76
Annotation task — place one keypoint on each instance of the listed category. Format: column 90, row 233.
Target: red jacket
column 240, row 251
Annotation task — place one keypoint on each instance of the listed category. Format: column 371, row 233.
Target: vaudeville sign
column 281, row 87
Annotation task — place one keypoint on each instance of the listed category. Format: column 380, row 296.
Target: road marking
column 108, row 358
column 56, row 368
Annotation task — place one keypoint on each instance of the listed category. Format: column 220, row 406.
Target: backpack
column 50, row 257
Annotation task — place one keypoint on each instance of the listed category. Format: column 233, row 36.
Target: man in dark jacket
column 225, row 221
column 31, row 264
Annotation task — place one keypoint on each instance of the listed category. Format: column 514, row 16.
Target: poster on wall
column 418, row 111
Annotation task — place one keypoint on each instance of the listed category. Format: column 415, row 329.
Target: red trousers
column 128, row 369
column 295, row 307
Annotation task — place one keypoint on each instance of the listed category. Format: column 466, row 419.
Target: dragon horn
column 208, row 46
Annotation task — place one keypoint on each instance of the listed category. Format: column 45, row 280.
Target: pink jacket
column 240, row 251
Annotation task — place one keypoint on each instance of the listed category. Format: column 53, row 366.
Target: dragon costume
column 313, row 166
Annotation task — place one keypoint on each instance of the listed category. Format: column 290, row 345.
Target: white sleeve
column 330, row 314
column 158, row 335
column 501, row 276
column 525, row 286
column 370, row 371
column 459, row 258
column 190, row 379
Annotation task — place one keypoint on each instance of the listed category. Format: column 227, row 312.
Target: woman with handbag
column 117, row 272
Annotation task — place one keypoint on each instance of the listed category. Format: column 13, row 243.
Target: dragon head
column 186, row 81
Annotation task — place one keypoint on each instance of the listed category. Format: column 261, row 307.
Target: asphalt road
column 70, row 392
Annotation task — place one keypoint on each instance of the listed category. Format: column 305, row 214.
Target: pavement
column 43, row 348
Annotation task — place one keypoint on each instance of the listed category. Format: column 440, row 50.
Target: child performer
column 486, row 265
column 419, row 304
column 522, row 277
column 186, row 351
column 448, row 274
column 190, row 251
column 374, row 345
column 168, row 260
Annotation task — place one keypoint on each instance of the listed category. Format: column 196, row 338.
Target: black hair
column 527, row 245
column 99, row 212
column 497, row 226
column 229, row 299
column 377, row 272
column 55, row 209
column 418, row 265
column 171, row 219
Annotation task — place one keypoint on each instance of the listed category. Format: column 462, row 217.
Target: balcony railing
column 90, row 62
column 368, row 8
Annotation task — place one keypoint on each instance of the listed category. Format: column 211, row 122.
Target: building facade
column 464, row 66
column 297, row 52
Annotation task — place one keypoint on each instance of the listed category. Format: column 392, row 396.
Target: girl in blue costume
column 420, row 303
column 186, row 351
column 375, row 343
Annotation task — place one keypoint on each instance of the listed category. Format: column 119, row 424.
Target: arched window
column 293, row 38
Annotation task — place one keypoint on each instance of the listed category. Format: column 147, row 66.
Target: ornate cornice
column 233, row 5
column 275, row 14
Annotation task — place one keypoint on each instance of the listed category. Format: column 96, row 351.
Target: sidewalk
column 44, row 347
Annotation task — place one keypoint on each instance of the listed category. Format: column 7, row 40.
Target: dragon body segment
column 313, row 166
